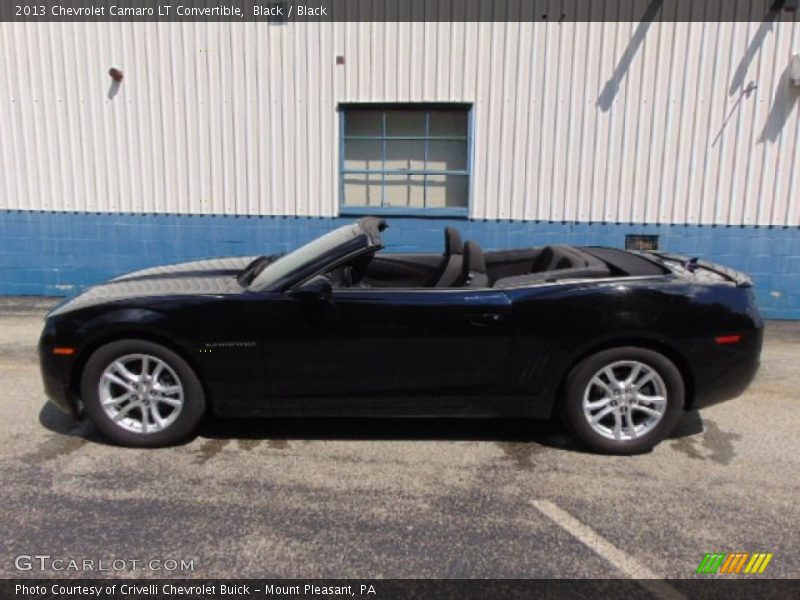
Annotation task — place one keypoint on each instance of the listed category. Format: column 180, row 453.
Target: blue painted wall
column 58, row 254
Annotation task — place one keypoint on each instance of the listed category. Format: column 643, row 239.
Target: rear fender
column 639, row 339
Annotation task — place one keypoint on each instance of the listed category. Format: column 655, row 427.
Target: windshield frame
column 354, row 239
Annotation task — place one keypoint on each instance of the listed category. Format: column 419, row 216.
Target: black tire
column 184, row 423
column 579, row 379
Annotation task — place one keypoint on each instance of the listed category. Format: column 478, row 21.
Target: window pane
column 362, row 190
column 405, row 191
column 446, row 191
column 376, row 189
column 363, row 122
column 405, row 122
column 405, row 154
column 448, row 123
column 447, row 156
column 362, row 154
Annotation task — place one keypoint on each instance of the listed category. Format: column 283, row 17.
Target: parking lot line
column 601, row 546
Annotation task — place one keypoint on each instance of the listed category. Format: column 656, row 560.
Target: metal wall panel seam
column 653, row 166
column 44, row 95
column 737, row 193
column 521, row 123
column 792, row 210
column 502, row 172
column 690, row 211
column 8, row 180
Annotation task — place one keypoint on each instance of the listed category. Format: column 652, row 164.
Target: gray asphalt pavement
column 399, row 498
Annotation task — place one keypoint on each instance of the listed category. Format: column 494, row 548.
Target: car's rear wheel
column 139, row 393
column 623, row 400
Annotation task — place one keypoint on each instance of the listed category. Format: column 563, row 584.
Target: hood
column 212, row 276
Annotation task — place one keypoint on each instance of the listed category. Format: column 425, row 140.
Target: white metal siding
column 229, row 118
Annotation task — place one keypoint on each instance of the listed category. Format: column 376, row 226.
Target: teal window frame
column 427, row 108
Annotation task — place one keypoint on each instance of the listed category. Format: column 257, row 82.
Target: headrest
column 473, row 258
column 452, row 241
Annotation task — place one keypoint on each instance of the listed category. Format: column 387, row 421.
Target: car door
column 396, row 349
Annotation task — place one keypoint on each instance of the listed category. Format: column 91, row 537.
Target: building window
column 405, row 158
column 643, row 242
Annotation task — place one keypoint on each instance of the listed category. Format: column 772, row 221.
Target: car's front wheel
column 138, row 393
column 624, row 400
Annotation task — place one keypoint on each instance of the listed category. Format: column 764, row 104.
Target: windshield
column 289, row 263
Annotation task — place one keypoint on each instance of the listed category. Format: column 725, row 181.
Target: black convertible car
column 619, row 343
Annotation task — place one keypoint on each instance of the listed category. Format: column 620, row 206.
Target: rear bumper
column 725, row 371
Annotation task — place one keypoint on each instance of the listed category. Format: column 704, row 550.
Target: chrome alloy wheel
column 141, row 393
column 625, row 400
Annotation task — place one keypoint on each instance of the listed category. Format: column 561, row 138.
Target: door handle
column 484, row 319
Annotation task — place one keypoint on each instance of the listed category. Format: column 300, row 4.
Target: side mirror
column 317, row 288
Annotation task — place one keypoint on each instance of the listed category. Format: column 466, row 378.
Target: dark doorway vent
column 638, row 241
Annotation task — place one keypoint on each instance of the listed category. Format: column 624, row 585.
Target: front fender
column 88, row 330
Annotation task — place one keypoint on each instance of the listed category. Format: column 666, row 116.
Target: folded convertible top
column 558, row 262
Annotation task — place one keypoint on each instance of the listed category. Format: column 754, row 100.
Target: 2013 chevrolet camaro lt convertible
column 618, row 343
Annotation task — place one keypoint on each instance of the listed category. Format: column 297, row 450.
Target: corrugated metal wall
column 620, row 122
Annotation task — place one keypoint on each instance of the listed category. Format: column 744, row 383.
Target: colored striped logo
column 735, row 563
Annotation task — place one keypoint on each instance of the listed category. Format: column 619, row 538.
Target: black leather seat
column 554, row 258
column 542, row 262
column 473, row 268
column 450, row 268
column 452, row 241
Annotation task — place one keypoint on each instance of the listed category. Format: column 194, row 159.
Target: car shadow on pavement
column 59, row 422
column 517, row 432
column 381, row 429
column 549, row 433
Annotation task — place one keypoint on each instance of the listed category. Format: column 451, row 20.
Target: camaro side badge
column 230, row 344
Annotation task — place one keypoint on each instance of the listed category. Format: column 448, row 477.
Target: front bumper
column 56, row 372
